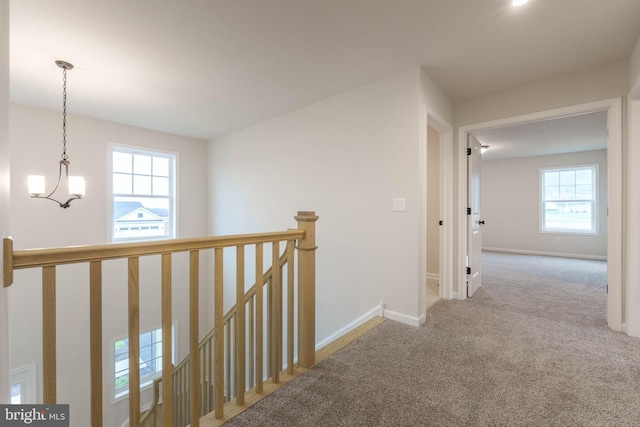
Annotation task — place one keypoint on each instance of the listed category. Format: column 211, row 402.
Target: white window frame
column 594, row 201
column 26, row 377
column 146, row 381
column 173, row 196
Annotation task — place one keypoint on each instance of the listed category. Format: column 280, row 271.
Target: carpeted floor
column 530, row 348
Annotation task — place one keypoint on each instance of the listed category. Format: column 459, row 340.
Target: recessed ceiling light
column 519, row 2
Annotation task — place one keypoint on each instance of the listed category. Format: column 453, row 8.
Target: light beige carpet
column 530, row 348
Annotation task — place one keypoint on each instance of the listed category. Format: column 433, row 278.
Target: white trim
column 403, row 318
column 633, row 207
column 542, row 253
column 447, row 187
column 377, row 311
column 613, row 107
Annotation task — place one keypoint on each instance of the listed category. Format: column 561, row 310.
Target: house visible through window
column 143, row 192
column 568, row 202
column 150, row 361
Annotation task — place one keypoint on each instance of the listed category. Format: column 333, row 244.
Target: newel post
column 307, row 289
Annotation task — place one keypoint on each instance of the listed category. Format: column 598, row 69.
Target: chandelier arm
column 66, row 165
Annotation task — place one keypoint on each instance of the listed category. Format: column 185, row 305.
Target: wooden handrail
column 154, row 402
column 30, row 258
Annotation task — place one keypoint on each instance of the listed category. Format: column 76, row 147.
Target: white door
column 474, row 239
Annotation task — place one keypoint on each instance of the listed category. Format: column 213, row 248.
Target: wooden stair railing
column 181, row 389
column 226, row 351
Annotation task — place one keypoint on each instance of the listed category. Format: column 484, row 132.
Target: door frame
column 613, row 106
column 633, row 205
column 447, row 187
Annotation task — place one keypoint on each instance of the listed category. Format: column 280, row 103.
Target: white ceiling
column 562, row 135
column 203, row 68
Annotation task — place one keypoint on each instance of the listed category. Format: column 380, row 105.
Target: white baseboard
column 542, row 253
column 422, row 319
column 376, row 311
column 403, row 318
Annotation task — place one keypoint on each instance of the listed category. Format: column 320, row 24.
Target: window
column 569, row 199
column 143, row 193
column 150, row 360
column 23, row 385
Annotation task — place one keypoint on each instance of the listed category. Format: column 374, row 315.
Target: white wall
column 594, row 84
column 511, row 207
column 4, row 192
column 634, row 65
column 346, row 158
column 35, row 139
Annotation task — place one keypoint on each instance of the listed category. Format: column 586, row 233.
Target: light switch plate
column 399, row 205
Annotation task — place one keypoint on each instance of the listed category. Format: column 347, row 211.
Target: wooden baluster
column 277, row 312
column 134, row 342
column 239, row 327
column 307, row 289
column 290, row 305
column 95, row 339
column 270, row 326
column 194, row 331
column 229, row 364
column 259, row 318
column 49, row 334
column 219, row 345
column 251, row 341
column 167, row 347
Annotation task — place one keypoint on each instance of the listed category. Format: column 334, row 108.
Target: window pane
column 552, row 178
column 160, row 166
column 584, row 177
column 16, row 394
column 568, row 216
column 567, row 192
column 141, row 184
column 122, row 183
column 584, row 192
column 551, row 193
column 567, row 178
column 160, row 186
column 122, row 162
column 142, row 164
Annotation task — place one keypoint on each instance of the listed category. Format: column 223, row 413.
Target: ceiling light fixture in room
column 519, row 2
column 483, row 149
column 75, row 184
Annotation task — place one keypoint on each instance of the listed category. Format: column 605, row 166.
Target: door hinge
column 468, row 270
column 468, row 211
column 468, row 151
column 440, row 222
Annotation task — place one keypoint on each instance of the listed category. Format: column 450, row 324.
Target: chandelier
column 74, row 184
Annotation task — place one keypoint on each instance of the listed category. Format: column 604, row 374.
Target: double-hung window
column 150, row 361
column 143, row 193
column 569, row 199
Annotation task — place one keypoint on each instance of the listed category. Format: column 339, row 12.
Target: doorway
column 613, row 108
column 433, row 216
